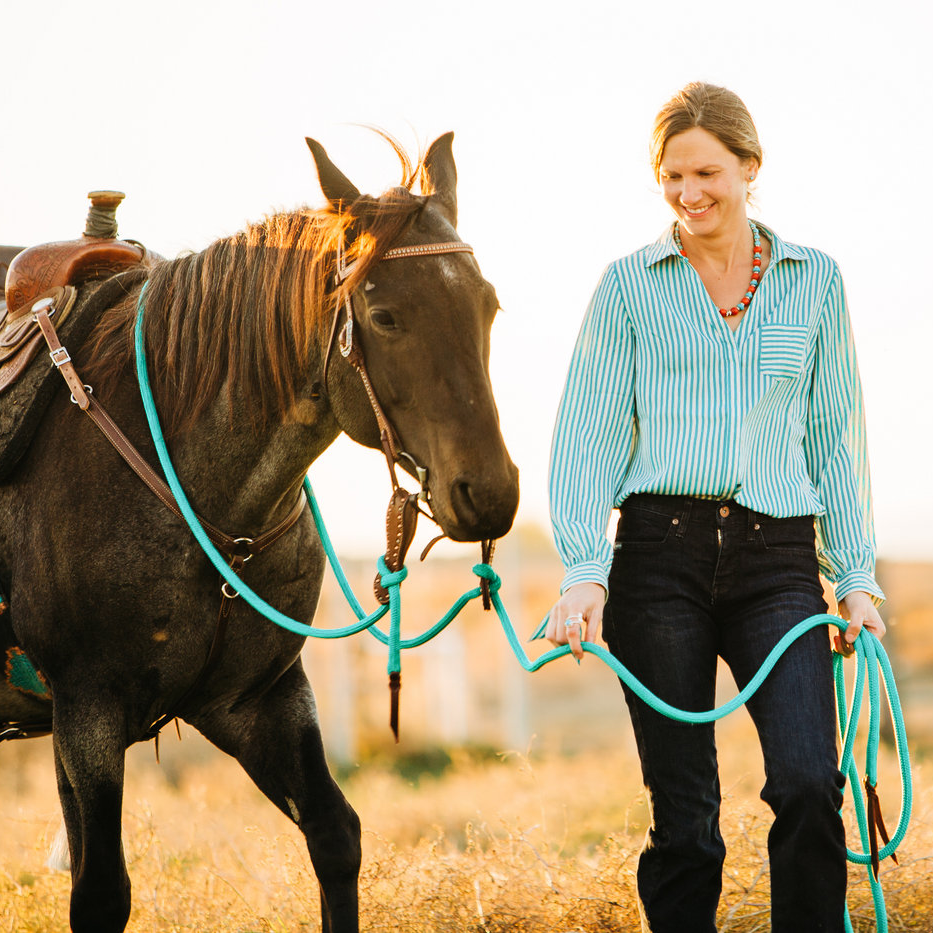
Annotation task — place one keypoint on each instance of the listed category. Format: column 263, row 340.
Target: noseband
column 353, row 353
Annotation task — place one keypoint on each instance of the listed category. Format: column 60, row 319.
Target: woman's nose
column 690, row 193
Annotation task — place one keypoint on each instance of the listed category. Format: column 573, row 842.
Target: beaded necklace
column 756, row 269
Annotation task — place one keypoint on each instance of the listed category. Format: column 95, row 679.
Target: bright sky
column 198, row 111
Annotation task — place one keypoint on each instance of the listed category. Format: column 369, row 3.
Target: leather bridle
column 403, row 509
column 353, row 353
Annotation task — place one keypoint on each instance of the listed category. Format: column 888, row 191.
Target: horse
column 110, row 596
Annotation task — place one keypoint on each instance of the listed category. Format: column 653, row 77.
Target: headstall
column 402, row 513
column 353, row 353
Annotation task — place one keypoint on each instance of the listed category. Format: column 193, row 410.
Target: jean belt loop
column 753, row 525
column 682, row 519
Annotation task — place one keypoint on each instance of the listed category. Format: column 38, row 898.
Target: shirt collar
column 664, row 246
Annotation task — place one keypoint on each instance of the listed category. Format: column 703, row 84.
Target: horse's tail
column 59, row 854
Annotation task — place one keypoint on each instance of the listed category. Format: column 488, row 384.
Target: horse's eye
column 383, row 319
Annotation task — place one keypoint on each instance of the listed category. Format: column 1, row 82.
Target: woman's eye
column 383, row 318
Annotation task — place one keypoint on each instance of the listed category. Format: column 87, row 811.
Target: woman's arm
column 837, row 459
column 592, row 443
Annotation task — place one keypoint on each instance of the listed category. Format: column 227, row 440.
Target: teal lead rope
column 870, row 656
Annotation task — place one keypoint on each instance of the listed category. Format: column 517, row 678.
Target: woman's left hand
column 857, row 607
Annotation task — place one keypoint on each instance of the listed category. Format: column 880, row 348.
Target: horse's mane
column 245, row 311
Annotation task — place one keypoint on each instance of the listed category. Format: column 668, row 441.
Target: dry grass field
column 459, row 841
column 512, row 805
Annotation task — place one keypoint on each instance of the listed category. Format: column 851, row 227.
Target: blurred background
column 198, row 111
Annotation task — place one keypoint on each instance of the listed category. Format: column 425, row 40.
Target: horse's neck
column 244, row 477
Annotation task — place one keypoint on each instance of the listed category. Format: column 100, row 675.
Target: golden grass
column 494, row 844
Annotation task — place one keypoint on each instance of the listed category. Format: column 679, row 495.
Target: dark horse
column 110, row 596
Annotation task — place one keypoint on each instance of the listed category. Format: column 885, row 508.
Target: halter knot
column 485, row 572
column 388, row 578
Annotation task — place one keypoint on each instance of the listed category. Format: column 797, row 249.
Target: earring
column 752, row 177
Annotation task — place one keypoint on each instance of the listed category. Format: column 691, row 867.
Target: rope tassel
column 487, row 549
column 875, row 826
column 395, row 685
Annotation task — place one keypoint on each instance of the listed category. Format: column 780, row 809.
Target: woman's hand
column 857, row 607
column 582, row 606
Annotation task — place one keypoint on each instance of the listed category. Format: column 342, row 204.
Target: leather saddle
column 34, row 272
column 58, row 270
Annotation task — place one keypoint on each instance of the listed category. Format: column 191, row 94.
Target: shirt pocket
column 783, row 349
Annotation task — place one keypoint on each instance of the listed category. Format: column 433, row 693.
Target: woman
column 713, row 397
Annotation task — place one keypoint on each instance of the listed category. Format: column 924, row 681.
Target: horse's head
column 422, row 325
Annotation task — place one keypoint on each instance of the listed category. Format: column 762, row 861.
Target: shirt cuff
column 855, row 580
column 590, row 571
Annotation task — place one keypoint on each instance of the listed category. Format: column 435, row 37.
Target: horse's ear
column 337, row 188
column 440, row 176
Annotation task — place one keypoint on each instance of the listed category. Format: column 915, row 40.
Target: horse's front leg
column 90, row 752
column 277, row 740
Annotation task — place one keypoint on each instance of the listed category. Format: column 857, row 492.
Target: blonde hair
column 715, row 109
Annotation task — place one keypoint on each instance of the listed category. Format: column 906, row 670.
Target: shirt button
column 724, row 511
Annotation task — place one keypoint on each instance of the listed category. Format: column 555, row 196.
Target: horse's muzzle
column 480, row 507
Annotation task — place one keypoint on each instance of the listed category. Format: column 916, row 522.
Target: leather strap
column 82, row 397
column 354, row 355
column 401, row 521
column 24, row 730
column 60, row 357
column 875, row 826
column 387, row 436
column 213, row 657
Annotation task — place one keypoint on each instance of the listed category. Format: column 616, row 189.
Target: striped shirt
column 663, row 397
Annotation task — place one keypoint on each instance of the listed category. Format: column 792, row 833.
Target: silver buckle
column 346, row 338
column 60, row 356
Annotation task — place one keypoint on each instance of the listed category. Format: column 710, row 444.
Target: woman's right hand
column 584, row 602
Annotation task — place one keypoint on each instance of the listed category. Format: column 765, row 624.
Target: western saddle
column 47, row 270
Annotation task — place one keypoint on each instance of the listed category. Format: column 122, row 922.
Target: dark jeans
column 693, row 580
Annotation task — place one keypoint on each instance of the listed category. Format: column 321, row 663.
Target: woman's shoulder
column 815, row 259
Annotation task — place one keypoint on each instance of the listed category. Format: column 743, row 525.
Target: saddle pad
column 22, row 675
column 25, row 400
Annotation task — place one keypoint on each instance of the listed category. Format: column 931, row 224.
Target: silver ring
column 573, row 620
column 87, row 389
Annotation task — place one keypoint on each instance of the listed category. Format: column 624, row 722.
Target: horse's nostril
column 463, row 504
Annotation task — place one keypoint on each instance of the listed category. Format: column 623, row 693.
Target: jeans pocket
column 641, row 527
column 788, row 535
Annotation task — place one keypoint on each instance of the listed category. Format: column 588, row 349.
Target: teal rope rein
column 871, row 657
